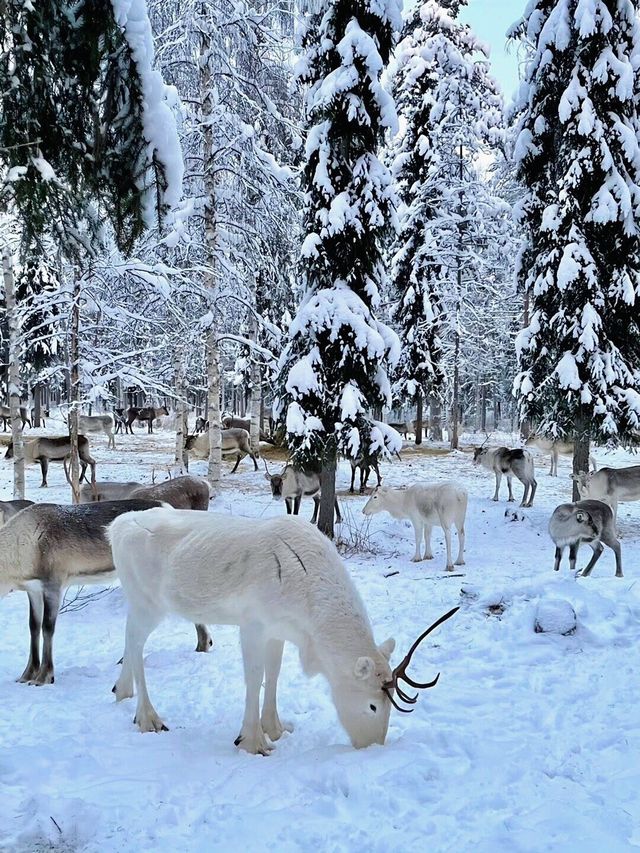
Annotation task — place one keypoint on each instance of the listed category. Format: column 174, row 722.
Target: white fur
column 555, row 449
column 610, row 485
column 426, row 506
column 98, row 423
column 278, row 579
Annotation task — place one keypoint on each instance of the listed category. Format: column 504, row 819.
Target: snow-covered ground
column 530, row 742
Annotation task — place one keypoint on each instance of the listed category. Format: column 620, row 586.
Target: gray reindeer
column 584, row 521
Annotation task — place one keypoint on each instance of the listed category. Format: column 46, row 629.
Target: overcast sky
column 490, row 20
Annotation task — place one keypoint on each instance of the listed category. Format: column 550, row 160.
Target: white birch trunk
column 256, row 394
column 207, row 98
column 213, row 399
column 14, row 376
column 182, row 413
column 74, row 391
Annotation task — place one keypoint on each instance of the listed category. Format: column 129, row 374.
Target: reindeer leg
column 573, row 554
column 51, row 596
column 251, row 737
column 235, row 467
column 316, row 508
column 510, row 484
column 533, row 485
column 447, row 538
column 353, row 480
column 255, row 461
column 204, row 639
column 139, row 626
column 272, row 726
column 428, row 553
column 597, row 548
column 417, row 532
column 460, row 557
column 336, row 506
column 36, row 608
column 498, row 481
column 556, row 565
column 44, row 467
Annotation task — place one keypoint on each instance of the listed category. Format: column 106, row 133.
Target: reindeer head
column 376, row 502
column 478, row 453
column 364, row 700
column 583, row 481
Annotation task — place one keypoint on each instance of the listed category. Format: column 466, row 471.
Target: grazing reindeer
column 233, row 441
column 555, row 448
column 105, row 491
column 513, row 463
column 46, row 548
column 584, row 521
column 5, row 414
column 610, row 485
column 426, row 506
column 284, row 581
column 292, row 485
column 231, row 422
column 186, row 492
column 98, row 423
column 403, row 427
column 148, row 414
column 55, row 449
column 10, row 508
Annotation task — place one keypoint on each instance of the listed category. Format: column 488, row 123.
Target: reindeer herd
column 278, row 579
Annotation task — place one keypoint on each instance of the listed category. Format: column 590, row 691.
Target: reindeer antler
column 265, row 467
column 400, row 671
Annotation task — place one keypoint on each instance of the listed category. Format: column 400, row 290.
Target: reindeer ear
column 364, row 668
column 386, row 648
column 267, row 476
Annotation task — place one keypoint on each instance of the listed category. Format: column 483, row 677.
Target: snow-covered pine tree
column 333, row 369
column 452, row 113
column 414, row 277
column 579, row 159
column 86, row 131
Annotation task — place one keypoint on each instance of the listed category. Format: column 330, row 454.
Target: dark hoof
column 238, row 741
column 120, row 661
column 113, row 689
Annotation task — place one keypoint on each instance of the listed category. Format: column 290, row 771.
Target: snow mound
column 555, row 616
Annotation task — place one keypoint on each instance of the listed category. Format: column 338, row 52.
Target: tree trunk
column 328, row 496
column 483, row 407
column 74, row 390
column 213, row 407
column 14, row 376
column 256, row 394
column 182, row 413
column 419, row 418
column 208, row 98
column 455, row 407
column 581, row 444
column 37, row 404
column 435, row 419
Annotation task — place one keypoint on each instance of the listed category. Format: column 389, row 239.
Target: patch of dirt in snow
column 529, row 742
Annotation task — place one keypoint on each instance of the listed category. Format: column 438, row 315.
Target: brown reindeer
column 147, row 413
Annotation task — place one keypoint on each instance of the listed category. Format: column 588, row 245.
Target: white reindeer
column 279, row 579
column 555, row 448
column 426, row 506
column 98, row 423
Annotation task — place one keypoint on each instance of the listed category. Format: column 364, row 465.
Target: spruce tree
column 85, row 130
column 333, row 370
column 451, row 113
column 579, row 160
